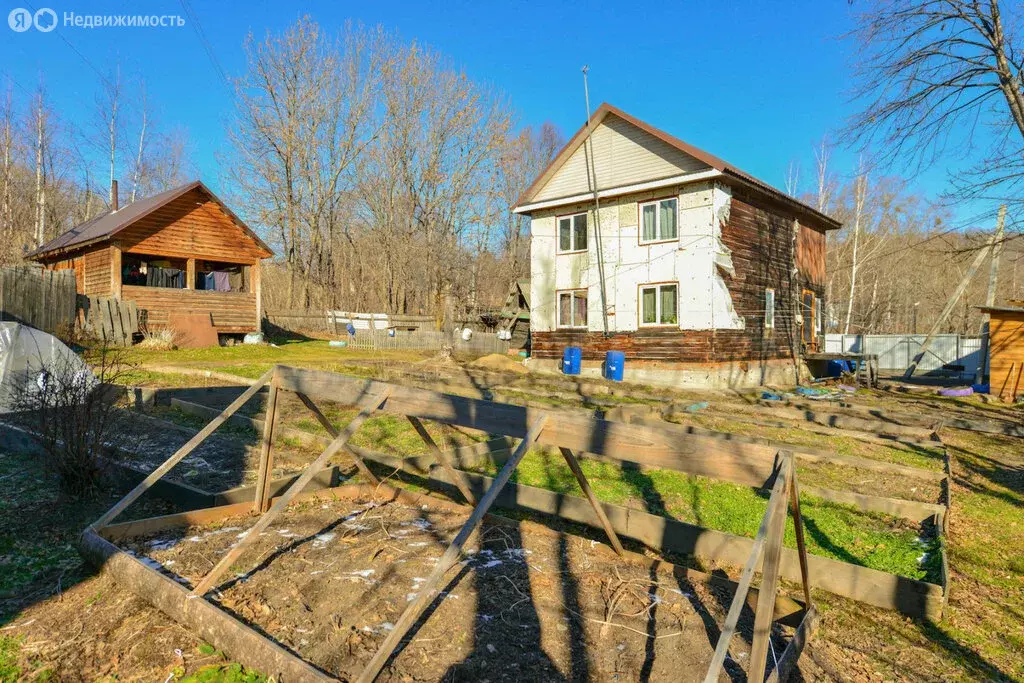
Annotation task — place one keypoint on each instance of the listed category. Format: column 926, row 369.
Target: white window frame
column 657, row 287
column 571, row 217
column 572, row 311
column 657, row 220
column 769, row 308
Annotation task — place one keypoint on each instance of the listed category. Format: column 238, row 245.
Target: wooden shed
column 180, row 251
column 1006, row 350
column 515, row 315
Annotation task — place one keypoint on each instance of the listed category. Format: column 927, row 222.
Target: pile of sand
column 498, row 362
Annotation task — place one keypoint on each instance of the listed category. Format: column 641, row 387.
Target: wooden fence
column 108, row 319
column 336, row 322
column 43, row 299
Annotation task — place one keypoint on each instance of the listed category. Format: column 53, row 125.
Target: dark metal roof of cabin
column 107, row 224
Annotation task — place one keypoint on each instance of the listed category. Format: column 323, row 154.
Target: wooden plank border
column 881, row 589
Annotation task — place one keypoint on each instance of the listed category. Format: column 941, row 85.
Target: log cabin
column 180, row 251
column 700, row 273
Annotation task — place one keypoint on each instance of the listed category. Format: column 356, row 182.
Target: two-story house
column 698, row 271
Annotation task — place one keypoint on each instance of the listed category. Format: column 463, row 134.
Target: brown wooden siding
column 761, row 239
column 96, row 266
column 191, row 226
column 810, row 254
column 1006, row 331
column 232, row 312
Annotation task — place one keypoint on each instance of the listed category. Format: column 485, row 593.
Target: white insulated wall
column 697, row 261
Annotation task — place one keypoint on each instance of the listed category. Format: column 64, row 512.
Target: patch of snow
column 323, row 539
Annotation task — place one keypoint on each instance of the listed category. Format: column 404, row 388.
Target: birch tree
column 108, row 114
column 933, row 75
column 859, row 194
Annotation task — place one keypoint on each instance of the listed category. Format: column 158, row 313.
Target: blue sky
column 756, row 83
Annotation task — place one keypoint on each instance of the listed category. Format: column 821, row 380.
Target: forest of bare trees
column 938, row 83
column 56, row 173
column 383, row 174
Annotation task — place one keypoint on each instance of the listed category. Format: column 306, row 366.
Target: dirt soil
column 329, row 580
column 497, row 362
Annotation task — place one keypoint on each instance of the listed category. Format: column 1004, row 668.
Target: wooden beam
column 333, row 431
column 442, row 458
column 201, row 618
column 657, row 446
column 808, row 625
column 266, row 471
column 950, row 305
column 732, row 618
column 912, row 510
column 581, row 478
column 871, row 586
column 115, row 270
column 798, row 529
column 256, row 286
column 432, row 585
column 180, row 454
column 763, row 615
column 369, row 407
column 190, row 273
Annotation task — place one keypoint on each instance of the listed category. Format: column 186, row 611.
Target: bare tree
column 933, row 73
column 39, row 116
column 141, row 148
column 859, row 194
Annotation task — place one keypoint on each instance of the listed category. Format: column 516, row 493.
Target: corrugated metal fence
column 482, row 343
column 896, row 351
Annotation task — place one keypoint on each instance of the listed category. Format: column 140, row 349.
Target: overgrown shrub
column 73, row 409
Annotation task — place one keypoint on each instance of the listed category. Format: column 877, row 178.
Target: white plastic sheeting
column 30, row 360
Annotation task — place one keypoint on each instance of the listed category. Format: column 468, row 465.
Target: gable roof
column 108, row 224
column 710, row 160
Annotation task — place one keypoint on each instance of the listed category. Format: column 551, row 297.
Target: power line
column 193, row 19
column 76, row 51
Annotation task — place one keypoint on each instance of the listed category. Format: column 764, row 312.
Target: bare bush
column 159, row 340
column 73, row 410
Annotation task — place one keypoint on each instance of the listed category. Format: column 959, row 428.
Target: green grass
column 836, row 531
column 49, row 549
column 250, row 356
column 224, row 673
column 9, row 650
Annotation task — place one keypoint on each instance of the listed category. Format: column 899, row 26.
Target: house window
column 658, row 220
column 572, row 233
column 769, row 308
column 659, row 304
column 572, row 308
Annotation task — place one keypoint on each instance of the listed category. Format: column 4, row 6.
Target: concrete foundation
column 731, row 375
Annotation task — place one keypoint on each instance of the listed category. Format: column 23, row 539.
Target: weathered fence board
column 108, row 319
column 43, row 299
column 336, row 322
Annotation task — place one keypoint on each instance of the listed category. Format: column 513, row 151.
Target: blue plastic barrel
column 614, row 365
column 572, row 360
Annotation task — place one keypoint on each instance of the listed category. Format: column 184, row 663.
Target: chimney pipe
column 113, row 196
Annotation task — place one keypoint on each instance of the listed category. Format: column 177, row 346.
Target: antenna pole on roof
column 592, row 177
